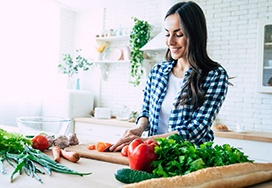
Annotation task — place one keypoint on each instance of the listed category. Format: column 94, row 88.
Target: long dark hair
column 194, row 27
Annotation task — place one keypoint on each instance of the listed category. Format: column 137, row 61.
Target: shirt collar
column 171, row 64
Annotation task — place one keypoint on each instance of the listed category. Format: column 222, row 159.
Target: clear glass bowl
column 54, row 126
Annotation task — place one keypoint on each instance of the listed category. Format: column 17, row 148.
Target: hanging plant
column 139, row 36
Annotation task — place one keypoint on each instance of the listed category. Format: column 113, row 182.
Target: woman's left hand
column 128, row 137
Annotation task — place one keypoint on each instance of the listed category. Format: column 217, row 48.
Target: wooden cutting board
column 113, row 157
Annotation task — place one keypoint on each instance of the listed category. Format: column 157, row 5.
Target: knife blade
column 107, row 149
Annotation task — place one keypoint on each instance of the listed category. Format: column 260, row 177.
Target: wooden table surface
column 247, row 135
column 102, row 176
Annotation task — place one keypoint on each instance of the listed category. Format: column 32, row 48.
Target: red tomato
column 40, row 142
column 124, row 151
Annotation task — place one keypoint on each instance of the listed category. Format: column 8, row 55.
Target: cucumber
column 127, row 175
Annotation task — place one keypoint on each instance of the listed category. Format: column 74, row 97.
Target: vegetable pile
column 17, row 151
column 178, row 157
column 174, row 156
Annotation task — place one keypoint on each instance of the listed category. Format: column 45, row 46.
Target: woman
column 184, row 94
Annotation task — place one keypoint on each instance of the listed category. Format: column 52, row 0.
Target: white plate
column 116, row 54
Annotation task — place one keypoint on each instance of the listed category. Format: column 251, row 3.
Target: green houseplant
column 139, row 36
column 71, row 66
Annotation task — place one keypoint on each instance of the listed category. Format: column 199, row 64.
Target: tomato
column 124, row 151
column 40, row 142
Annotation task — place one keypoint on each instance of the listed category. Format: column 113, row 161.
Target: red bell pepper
column 141, row 154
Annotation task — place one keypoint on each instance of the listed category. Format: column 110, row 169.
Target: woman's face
column 175, row 37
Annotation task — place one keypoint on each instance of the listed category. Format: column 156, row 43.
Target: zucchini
column 127, row 175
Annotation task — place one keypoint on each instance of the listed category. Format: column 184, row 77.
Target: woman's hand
column 128, row 137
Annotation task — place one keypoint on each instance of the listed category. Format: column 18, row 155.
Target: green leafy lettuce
column 13, row 142
column 182, row 157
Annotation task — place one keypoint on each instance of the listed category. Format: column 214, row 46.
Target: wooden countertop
column 247, row 135
column 102, row 175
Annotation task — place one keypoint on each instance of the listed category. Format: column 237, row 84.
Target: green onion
column 16, row 150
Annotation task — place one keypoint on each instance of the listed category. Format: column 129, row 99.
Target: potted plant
column 71, row 66
column 139, row 36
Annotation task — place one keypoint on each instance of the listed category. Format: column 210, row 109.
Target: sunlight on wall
column 29, row 46
column 29, row 51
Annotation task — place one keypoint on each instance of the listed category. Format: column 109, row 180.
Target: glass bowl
column 54, row 126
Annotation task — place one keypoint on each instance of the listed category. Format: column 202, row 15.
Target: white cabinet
column 265, row 56
column 258, row 151
column 68, row 103
column 91, row 132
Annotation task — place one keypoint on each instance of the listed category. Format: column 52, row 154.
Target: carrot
column 91, row 147
column 101, row 146
column 56, row 153
column 70, row 155
column 108, row 144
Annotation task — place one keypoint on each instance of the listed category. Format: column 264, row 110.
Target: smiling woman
column 29, row 47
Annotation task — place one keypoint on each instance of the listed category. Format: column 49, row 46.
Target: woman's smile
column 175, row 38
column 174, row 50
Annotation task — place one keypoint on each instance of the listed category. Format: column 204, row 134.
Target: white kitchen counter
column 113, row 122
column 247, row 135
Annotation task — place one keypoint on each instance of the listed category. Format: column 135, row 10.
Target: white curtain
column 29, row 54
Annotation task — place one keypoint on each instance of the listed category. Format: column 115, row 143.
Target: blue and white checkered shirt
column 192, row 125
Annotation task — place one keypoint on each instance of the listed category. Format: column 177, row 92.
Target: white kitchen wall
column 232, row 32
column 233, row 38
column 29, row 49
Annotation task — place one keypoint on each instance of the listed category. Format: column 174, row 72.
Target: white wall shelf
column 111, row 61
column 103, row 64
column 113, row 38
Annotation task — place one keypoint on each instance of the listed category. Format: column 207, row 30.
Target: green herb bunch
column 182, row 157
column 72, row 67
column 139, row 36
column 16, row 150
column 13, row 142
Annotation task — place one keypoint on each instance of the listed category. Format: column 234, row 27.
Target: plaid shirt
column 192, row 125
